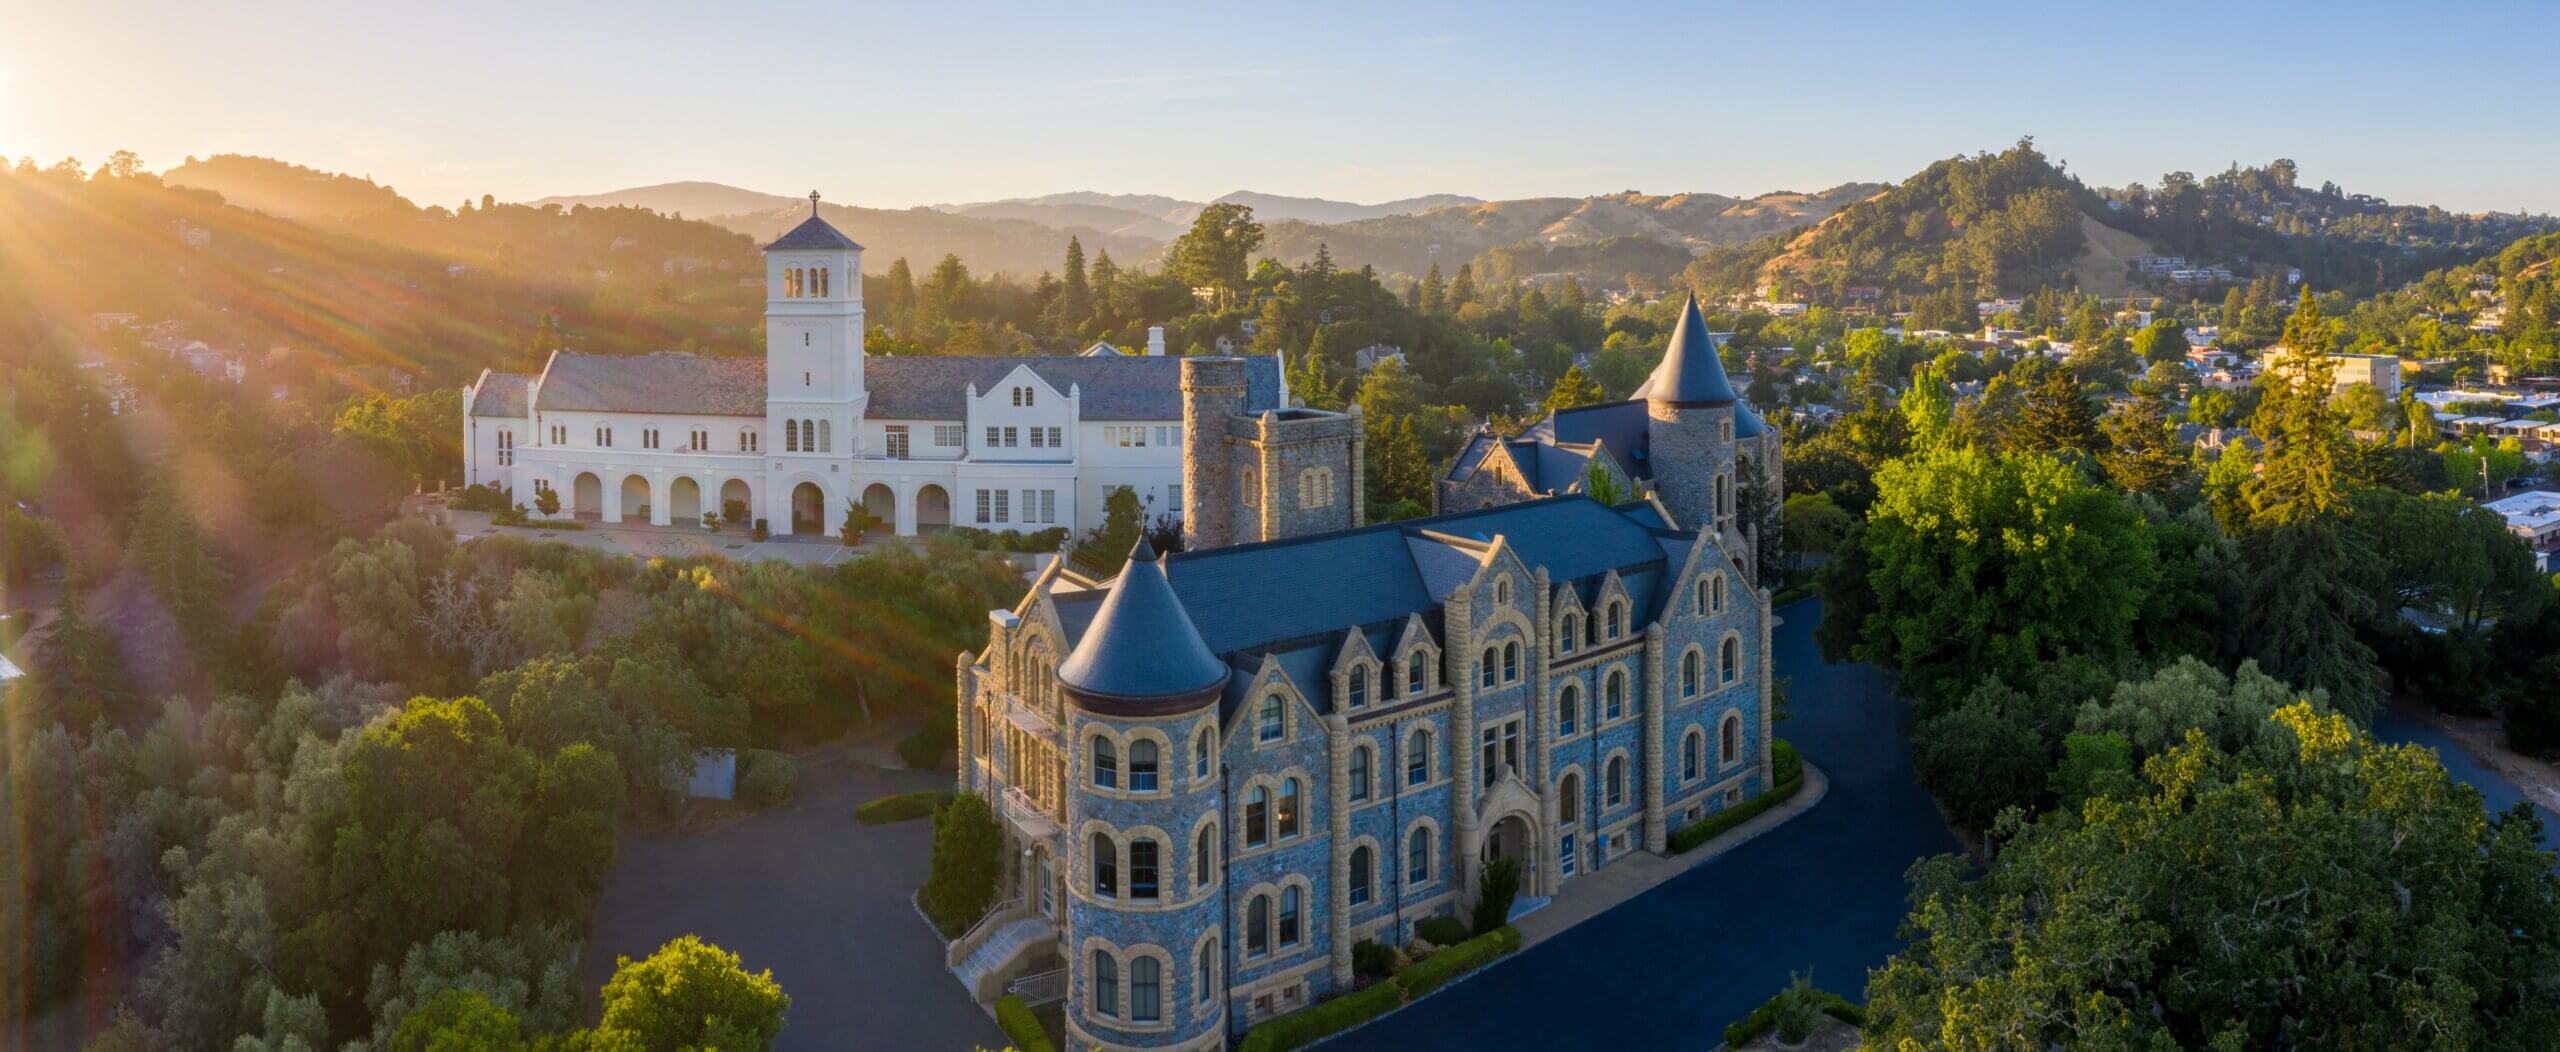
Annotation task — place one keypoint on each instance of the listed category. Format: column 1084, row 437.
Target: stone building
column 1220, row 770
column 1261, row 476
column 1681, row 438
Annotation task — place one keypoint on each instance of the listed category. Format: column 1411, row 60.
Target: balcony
column 1028, row 816
column 1032, row 721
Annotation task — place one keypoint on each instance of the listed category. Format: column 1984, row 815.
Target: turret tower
column 1689, row 408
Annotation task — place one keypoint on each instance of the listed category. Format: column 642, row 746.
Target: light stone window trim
column 1308, row 827
column 1441, row 855
column 1574, row 690
column 1280, row 949
column 1122, row 762
column 1381, row 878
column 1122, row 960
column 1695, row 737
column 1212, row 823
column 1731, row 723
column 1206, row 736
column 1173, row 890
column 1687, row 689
column 1728, row 675
column 1207, row 1003
column 1630, row 705
column 1630, row 786
column 1580, row 796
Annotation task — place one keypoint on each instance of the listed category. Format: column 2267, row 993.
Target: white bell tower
column 813, row 342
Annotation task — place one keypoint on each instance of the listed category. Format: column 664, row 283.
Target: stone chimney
column 1155, row 341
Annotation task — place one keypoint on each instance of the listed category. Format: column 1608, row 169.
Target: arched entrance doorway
column 882, row 503
column 737, row 501
column 635, row 498
column 1510, row 838
column 684, row 502
column 586, row 496
column 933, row 508
column 808, row 510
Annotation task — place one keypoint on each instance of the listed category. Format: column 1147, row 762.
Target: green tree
column 2347, row 895
column 1813, row 524
column 1602, row 484
column 2447, row 557
column 2142, row 453
column 2308, row 464
column 1216, row 250
column 1075, row 294
column 1106, row 547
column 458, row 1020
column 2056, row 415
column 968, row 853
column 691, row 994
column 1573, row 391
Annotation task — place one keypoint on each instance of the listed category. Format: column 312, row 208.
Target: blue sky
column 916, row 103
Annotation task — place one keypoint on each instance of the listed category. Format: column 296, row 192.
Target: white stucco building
column 795, row 436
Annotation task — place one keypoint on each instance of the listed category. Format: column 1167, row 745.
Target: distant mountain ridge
column 691, row 198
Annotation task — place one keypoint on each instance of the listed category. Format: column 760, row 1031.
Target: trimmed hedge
column 1442, row 930
column 1309, row 1025
column 1315, row 1023
column 1784, row 763
column 1765, row 1018
column 902, row 807
column 766, row 778
column 1436, row 971
column 1020, row 1026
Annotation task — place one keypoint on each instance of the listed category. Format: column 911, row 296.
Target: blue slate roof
column 813, row 235
column 1690, row 373
column 1553, row 453
column 1140, row 643
column 934, row 387
column 1304, row 592
column 1747, row 422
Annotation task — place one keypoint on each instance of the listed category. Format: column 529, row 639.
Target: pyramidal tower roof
column 1141, row 644
column 1690, row 373
column 813, row 234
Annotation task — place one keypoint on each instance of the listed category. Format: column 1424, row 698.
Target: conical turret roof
column 1141, row 644
column 1690, row 373
column 1747, row 422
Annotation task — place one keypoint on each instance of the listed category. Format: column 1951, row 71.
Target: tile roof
column 813, row 234
column 921, row 387
column 664, row 382
column 1140, row 642
column 500, row 394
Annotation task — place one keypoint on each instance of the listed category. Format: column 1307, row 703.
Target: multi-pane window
column 1693, row 750
column 1257, row 817
column 1614, row 695
column 1288, row 810
column 1363, row 874
column 1417, row 673
column 995, row 506
column 1357, row 681
column 950, row 436
column 995, row 437
column 749, row 442
column 1501, row 745
column 1417, row 863
column 1207, row 979
column 1106, row 984
column 1511, row 662
column 1039, row 438
column 1257, row 926
column 1359, row 773
column 1146, row 990
column 1012, row 437
column 1290, row 908
column 1142, row 868
column 1106, row 764
column 1690, row 673
column 1570, row 635
column 894, row 443
column 1614, row 786
column 1106, row 866
column 1142, row 766
column 1204, row 856
column 506, row 448
column 648, row 438
column 1731, row 663
column 1417, row 759
column 559, row 434
column 1268, row 725
column 1057, row 437
column 1568, row 711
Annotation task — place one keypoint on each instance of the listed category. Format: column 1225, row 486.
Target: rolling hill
column 691, row 198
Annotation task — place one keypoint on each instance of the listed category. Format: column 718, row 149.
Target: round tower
column 1212, row 393
column 1689, row 408
column 1145, row 802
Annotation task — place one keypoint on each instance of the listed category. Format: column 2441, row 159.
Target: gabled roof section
column 500, row 395
column 1113, row 387
column 1690, row 374
column 1141, row 643
column 664, row 382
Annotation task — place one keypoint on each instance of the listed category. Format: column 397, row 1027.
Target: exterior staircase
column 995, row 962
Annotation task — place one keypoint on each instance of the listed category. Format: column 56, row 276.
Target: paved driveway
column 1671, row 968
column 814, row 895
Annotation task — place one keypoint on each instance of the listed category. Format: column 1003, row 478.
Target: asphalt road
column 1671, row 968
column 817, row 897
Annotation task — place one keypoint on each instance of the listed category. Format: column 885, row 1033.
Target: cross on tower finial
column 813, row 203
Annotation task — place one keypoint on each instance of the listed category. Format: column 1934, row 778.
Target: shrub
column 765, row 777
column 902, row 807
column 1458, row 960
column 480, row 498
column 1495, row 890
column 1373, row 959
column 514, row 516
column 1801, row 1000
column 925, row 749
column 1785, row 763
column 1020, row 1026
column 1442, row 931
column 1308, row 1025
column 968, row 853
column 1703, row 830
column 763, row 530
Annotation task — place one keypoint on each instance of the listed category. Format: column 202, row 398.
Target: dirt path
column 2481, row 737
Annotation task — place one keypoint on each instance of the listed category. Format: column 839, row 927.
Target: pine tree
column 1075, row 296
column 2143, row 454
column 1462, row 289
column 2309, row 463
column 1573, row 390
column 2055, row 415
column 1106, row 284
column 1435, row 292
column 899, row 291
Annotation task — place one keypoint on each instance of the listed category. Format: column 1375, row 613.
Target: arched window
column 1730, row 663
column 1359, row 772
column 1142, row 868
column 1257, row 926
column 1511, row 662
column 1693, row 755
column 1250, row 482
column 824, row 284
column 1106, row 866
column 1417, row 863
column 1358, row 685
column 1614, row 694
column 1617, row 619
column 1502, row 592
column 1417, row 673
column 1569, row 711
column 1724, row 496
column 1142, row 766
column 1257, row 817
column 1691, row 675
column 1289, row 905
column 1202, row 748
column 1614, row 783
column 1569, row 799
column 826, row 441
column 1729, row 743
column 1106, row 985
column 1146, row 990
column 1106, row 764
column 1570, row 634
column 1364, row 867
column 790, row 436
column 1207, row 968
column 1267, row 725
column 1288, row 822
column 1417, row 757
column 1204, row 856
column 1485, row 674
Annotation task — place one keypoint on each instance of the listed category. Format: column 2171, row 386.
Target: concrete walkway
column 1598, row 892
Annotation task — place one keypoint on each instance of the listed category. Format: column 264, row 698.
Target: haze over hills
column 693, row 198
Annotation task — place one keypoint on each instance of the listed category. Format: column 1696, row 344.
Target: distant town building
column 2534, row 516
